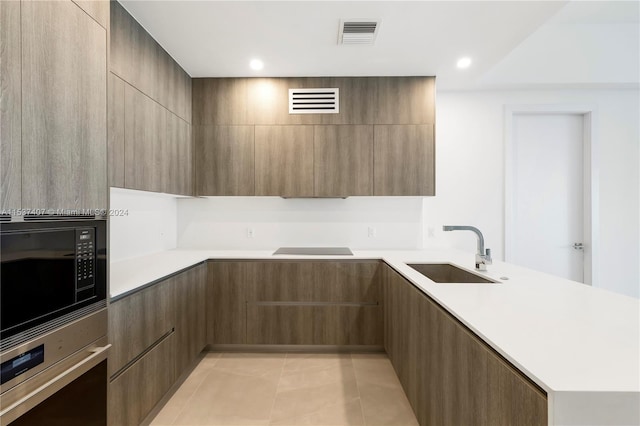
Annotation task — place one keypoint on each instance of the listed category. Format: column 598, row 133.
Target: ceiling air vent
column 314, row 101
column 358, row 31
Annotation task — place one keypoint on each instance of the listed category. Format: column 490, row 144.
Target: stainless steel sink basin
column 315, row 251
column 447, row 273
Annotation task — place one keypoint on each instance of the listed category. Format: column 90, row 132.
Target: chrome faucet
column 483, row 257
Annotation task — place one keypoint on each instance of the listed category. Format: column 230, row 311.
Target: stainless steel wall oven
column 53, row 320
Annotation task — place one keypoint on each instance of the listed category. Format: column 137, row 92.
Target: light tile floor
column 289, row 389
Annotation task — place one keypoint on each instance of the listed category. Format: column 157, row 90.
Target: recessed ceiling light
column 256, row 64
column 464, row 62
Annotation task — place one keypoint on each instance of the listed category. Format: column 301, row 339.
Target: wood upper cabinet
column 343, row 160
column 10, row 106
column 145, row 142
column 177, row 157
column 224, row 158
column 284, row 160
column 64, row 101
column 404, row 160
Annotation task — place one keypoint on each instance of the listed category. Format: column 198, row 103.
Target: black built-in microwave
column 50, row 270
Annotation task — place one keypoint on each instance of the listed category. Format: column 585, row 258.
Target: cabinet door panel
column 138, row 321
column 284, row 160
column 225, row 160
column 190, row 316
column 177, row 158
column 343, row 160
column 97, row 9
column 404, row 160
column 138, row 389
column 226, row 301
column 405, row 100
column 314, row 325
column 145, row 142
column 116, row 131
column 64, row 125
column 10, row 106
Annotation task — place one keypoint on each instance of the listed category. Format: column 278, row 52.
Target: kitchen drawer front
column 137, row 321
column 138, row 389
column 314, row 324
column 311, row 281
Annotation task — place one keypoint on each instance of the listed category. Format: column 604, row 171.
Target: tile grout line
column 364, row 419
column 186, row 403
column 284, row 361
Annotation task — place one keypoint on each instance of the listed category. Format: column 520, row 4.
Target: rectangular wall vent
column 358, row 31
column 314, row 101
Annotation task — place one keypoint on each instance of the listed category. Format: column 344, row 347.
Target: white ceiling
column 299, row 38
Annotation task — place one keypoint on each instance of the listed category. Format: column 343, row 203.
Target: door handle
column 578, row 246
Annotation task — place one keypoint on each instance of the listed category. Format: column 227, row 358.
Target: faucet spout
column 483, row 257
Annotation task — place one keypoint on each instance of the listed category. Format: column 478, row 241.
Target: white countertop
column 566, row 336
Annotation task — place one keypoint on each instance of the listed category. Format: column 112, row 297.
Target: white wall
column 470, row 173
column 149, row 225
column 222, row 222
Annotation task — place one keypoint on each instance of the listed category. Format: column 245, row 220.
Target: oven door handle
column 43, row 392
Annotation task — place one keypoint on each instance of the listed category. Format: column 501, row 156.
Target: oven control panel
column 85, row 258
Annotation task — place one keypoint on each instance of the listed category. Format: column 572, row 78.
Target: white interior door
column 548, row 216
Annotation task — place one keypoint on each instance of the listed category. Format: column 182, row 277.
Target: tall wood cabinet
column 450, row 375
column 54, row 100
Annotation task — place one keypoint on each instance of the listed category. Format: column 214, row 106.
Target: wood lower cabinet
column 190, row 301
column 156, row 334
column 295, row 302
column 134, row 393
column 450, row 376
column 138, row 321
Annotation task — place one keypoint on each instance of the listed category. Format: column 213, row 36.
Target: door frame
column 590, row 179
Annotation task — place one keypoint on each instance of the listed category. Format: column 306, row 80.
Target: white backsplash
column 149, row 225
column 228, row 222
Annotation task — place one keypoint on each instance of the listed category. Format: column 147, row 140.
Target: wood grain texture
column 139, row 320
column 224, row 158
column 190, row 335
column 450, row 376
column 284, row 160
column 405, row 100
column 145, row 142
column 177, row 157
column 220, row 101
column 115, row 131
column 123, row 28
column 512, row 400
column 64, row 132
column 314, row 325
column 226, row 301
column 10, row 106
column 97, row 9
column 135, row 392
column 404, row 160
column 343, row 160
